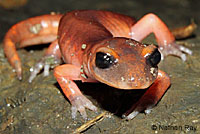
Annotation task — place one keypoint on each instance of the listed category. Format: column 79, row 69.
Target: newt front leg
column 65, row 74
column 150, row 97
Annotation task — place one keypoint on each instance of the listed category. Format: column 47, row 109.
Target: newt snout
column 124, row 63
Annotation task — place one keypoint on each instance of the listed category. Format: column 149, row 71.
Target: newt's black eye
column 104, row 60
column 154, row 58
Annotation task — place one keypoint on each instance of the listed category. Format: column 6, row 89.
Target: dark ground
column 39, row 107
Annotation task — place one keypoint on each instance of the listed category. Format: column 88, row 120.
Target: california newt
column 98, row 46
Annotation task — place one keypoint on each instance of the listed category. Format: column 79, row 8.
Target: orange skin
column 82, row 37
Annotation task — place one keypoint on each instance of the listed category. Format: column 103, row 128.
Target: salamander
column 98, row 46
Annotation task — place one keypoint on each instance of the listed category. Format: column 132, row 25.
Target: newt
column 98, row 46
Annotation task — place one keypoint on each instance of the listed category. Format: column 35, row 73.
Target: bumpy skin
column 83, row 36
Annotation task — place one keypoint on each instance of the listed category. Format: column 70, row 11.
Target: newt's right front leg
column 65, row 74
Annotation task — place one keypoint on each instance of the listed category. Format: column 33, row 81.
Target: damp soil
column 40, row 107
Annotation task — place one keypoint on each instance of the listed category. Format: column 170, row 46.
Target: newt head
column 124, row 63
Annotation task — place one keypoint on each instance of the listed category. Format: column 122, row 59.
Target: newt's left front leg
column 151, row 23
column 150, row 97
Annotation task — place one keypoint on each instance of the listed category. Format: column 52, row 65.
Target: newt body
column 98, row 46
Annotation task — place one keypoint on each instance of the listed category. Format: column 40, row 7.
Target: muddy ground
column 41, row 108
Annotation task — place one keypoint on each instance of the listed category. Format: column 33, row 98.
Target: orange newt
column 98, row 46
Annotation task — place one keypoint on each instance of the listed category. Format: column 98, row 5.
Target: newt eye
column 104, row 60
column 154, row 58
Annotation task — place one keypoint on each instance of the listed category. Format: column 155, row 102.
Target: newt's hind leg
column 33, row 31
column 51, row 58
column 151, row 23
column 150, row 97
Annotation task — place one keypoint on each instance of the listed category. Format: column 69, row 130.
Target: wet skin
column 98, row 46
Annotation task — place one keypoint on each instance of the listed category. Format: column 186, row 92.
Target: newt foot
column 136, row 112
column 46, row 62
column 176, row 50
column 79, row 103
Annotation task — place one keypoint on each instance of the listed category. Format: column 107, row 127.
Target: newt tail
column 33, row 31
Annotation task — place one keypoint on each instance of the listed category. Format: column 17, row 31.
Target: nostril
column 154, row 58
